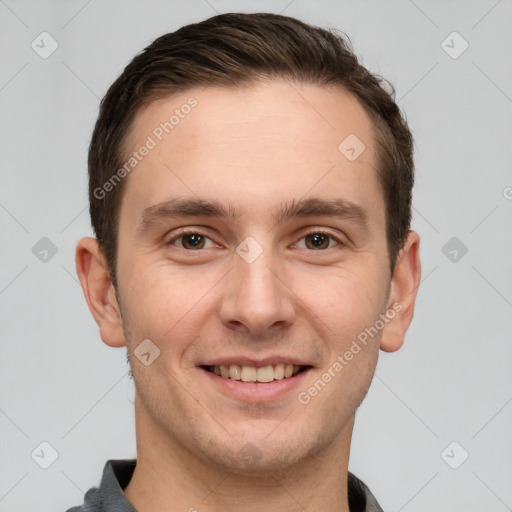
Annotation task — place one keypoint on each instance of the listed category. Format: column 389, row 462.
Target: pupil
column 318, row 239
column 193, row 240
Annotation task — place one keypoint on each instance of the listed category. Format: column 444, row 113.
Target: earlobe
column 402, row 294
column 99, row 291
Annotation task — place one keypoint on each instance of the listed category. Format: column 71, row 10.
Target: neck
column 168, row 477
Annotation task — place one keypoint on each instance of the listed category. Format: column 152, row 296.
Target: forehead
column 278, row 137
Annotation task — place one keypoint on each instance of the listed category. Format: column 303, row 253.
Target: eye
column 194, row 240
column 320, row 240
column 190, row 240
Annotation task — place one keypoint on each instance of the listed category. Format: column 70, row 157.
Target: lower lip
column 256, row 391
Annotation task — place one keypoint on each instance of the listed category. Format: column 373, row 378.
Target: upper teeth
column 254, row 374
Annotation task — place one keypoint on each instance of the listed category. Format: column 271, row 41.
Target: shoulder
column 108, row 496
column 360, row 498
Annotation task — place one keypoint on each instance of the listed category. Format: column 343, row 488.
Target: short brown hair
column 235, row 49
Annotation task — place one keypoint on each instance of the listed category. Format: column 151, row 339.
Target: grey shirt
column 109, row 497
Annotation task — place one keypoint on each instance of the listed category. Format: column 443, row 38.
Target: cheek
column 345, row 302
column 167, row 306
column 347, row 311
column 157, row 296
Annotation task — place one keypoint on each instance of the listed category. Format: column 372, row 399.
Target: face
column 250, row 245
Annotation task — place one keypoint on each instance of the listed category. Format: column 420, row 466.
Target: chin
column 252, row 461
column 262, row 453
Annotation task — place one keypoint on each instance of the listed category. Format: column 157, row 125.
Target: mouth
column 260, row 374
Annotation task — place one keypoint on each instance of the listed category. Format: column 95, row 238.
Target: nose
column 257, row 299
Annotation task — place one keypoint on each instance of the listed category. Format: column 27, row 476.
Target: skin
column 255, row 148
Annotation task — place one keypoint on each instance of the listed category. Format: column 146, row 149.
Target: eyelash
column 191, row 231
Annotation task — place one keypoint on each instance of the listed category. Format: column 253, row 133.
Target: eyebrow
column 194, row 207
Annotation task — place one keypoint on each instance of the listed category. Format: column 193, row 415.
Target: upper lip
column 249, row 361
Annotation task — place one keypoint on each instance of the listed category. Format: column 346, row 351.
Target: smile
column 263, row 374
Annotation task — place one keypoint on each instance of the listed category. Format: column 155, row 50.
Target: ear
column 99, row 291
column 402, row 293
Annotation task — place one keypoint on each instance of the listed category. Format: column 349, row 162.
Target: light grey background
column 450, row 382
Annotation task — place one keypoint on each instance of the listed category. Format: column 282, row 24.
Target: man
column 250, row 190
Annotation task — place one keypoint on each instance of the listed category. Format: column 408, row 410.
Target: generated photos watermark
column 357, row 345
column 152, row 141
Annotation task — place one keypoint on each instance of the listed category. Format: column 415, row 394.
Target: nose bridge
column 256, row 297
